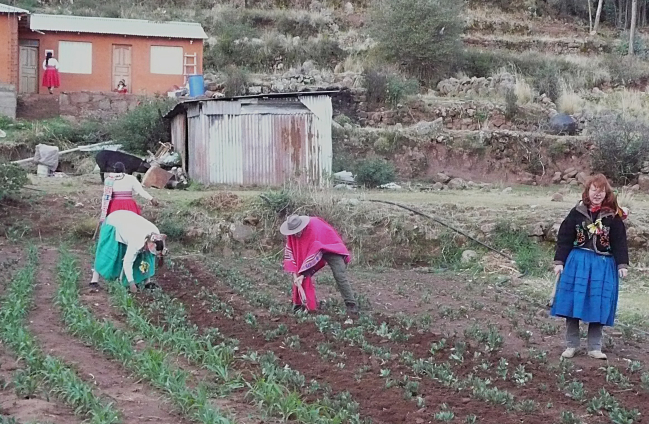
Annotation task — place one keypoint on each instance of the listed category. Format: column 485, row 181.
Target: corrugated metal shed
column 5, row 8
column 261, row 140
column 135, row 27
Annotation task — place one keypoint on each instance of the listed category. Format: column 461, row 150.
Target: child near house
column 51, row 74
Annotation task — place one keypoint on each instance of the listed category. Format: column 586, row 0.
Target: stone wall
column 8, row 101
column 554, row 46
column 97, row 104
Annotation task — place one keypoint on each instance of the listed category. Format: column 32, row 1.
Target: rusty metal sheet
column 222, row 108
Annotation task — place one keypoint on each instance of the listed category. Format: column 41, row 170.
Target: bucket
column 196, row 85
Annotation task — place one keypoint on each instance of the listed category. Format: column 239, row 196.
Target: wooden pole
column 66, row 151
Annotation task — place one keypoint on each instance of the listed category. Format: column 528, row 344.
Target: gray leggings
column 595, row 330
column 339, row 269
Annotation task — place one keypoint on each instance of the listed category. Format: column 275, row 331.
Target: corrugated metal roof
column 136, row 27
column 182, row 105
column 5, row 8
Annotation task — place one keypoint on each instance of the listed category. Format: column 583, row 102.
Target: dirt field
column 431, row 345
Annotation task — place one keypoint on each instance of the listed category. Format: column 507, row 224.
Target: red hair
column 600, row 181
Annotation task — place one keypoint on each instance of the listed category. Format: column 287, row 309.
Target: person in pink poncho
column 310, row 244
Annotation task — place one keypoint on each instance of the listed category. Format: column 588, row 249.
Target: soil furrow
column 138, row 402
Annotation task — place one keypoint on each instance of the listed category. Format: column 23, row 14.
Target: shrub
column 421, row 35
column 236, row 81
column 511, row 106
column 621, row 146
column 386, row 87
column 372, row 173
column 142, row 128
column 547, row 81
column 13, row 178
column 62, row 133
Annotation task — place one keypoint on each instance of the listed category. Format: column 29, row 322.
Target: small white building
column 263, row 140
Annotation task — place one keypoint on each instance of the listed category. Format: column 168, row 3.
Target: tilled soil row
column 586, row 370
column 137, row 402
column 378, row 403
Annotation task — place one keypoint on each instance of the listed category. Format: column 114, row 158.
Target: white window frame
column 75, row 57
column 162, row 60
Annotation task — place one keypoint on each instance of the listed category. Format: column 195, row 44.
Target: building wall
column 142, row 80
column 9, row 49
column 265, row 143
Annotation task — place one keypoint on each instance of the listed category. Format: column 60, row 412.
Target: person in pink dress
column 118, row 193
column 51, row 75
column 311, row 243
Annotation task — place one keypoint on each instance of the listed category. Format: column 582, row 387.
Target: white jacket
column 132, row 230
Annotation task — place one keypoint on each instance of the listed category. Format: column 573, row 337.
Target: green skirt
column 109, row 258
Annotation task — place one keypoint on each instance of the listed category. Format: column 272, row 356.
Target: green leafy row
column 268, row 390
column 56, row 376
column 149, row 363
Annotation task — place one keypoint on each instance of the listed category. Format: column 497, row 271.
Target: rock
column 571, row 174
column 241, row 233
column 350, row 202
column 308, row 66
column 441, row 177
column 527, row 178
column 582, row 177
column 348, row 8
column 536, row 230
column 348, row 82
column 556, row 179
column 425, row 128
column 574, row 182
column 438, row 186
column 643, row 183
column 488, row 228
column 469, row 256
column 635, row 187
column 557, row 197
column 551, row 233
column 342, row 187
column 456, row 184
column 507, row 190
column 251, row 220
column 255, row 89
column 563, row 124
column 193, row 234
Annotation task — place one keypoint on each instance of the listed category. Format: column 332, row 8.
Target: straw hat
column 294, row 224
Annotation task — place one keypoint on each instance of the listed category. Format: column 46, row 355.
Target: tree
column 634, row 17
column 598, row 15
column 422, row 36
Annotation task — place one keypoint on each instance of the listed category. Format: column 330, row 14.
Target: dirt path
column 136, row 401
column 34, row 409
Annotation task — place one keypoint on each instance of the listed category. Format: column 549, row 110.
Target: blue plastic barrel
column 196, row 85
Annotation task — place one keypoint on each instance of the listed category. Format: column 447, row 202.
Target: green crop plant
column 613, row 375
column 568, row 417
column 60, row 379
column 521, row 377
column 575, row 389
column 149, row 363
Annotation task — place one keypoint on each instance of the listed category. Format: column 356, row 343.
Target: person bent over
column 127, row 249
column 310, row 244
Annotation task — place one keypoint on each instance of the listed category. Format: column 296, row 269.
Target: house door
column 122, row 66
column 28, row 70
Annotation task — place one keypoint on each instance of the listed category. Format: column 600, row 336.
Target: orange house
column 94, row 54
column 10, row 18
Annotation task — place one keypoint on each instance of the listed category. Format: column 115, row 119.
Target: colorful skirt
column 109, row 258
column 588, row 288
column 51, row 77
column 123, row 201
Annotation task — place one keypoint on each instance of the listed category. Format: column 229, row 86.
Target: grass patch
column 531, row 258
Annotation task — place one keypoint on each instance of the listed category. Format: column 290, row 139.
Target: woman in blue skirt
column 591, row 255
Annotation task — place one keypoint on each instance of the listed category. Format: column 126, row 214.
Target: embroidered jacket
column 602, row 232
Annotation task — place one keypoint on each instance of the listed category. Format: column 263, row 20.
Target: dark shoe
column 151, row 286
column 94, row 286
column 297, row 308
column 352, row 308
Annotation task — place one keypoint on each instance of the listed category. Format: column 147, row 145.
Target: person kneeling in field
column 310, row 244
column 127, row 248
